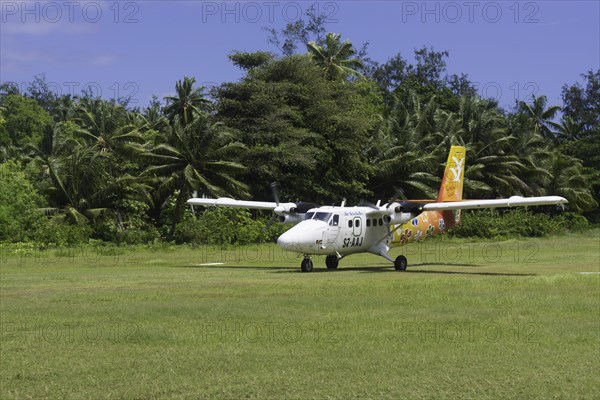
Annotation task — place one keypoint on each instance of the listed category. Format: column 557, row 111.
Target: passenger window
column 357, row 223
column 368, row 222
column 374, row 221
column 349, row 223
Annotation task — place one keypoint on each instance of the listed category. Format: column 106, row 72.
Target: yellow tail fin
column 452, row 183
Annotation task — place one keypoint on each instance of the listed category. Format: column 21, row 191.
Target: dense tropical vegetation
column 321, row 118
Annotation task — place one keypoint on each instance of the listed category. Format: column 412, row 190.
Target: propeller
column 271, row 221
column 398, row 196
column 275, row 217
column 407, row 205
column 303, row 207
column 366, row 203
column 275, row 191
column 287, row 212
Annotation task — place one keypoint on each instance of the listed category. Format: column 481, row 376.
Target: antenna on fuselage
column 343, row 202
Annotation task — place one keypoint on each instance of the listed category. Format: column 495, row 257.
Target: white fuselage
column 337, row 230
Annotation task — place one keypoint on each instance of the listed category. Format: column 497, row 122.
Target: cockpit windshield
column 322, row 216
column 309, row 215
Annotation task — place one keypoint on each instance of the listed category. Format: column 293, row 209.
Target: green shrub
column 473, row 225
column 138, row 233
column 134, row 227
column 56, row 232
column 225, row 226
column 190, row 231
column 493, row 224
column 574, row 222
column 138, row 236
column 19, row 204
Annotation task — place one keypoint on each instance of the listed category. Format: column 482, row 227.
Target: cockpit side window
column 335, row 221
column 309, row 215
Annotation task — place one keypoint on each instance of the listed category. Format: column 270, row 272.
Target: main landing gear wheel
column 332, row 262
column 307, row 265
column 400, row 263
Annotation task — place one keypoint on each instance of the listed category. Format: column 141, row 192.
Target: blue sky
column 510, row 49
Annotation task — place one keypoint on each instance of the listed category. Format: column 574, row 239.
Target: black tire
column 332, row 262
column 400, row 263
column 307, row 265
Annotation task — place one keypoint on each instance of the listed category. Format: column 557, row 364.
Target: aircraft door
column 333, row 229
column 357, row 226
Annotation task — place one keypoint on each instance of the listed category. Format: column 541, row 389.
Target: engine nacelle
column 284, row 208
column 400, row 213
column 401, row 217
column 291, row 218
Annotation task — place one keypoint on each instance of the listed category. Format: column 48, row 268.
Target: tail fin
column 452, row 183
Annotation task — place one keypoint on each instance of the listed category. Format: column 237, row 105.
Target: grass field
column 509, row 319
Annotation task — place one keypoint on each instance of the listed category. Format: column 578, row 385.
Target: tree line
column 320, row 118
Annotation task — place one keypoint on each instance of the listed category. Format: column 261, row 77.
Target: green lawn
column 467, row 320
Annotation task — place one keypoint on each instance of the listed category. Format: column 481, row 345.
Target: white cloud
column 103, row 60
column 44, row 28
column 46, row 17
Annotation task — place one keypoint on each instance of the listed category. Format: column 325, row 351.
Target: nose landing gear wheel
column 332, row 262
column 400, row 263
column 307, row 265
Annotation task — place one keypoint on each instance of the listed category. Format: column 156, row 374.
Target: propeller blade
column 398, row 195
column 366, row 203
column 303, row 207
column 271, row 221
column 275, row 192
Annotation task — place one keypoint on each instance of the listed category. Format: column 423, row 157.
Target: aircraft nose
column 299, row 239
column 293, row 237
column 285, row 239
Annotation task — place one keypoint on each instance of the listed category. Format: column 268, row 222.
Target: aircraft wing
column 227, row 202
column 514, row 201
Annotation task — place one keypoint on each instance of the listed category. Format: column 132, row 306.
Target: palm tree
column 4, row 138
column 540, row 116
column 335, row 58
column 153, row 116
column 65, row 108
column 116, row 135
column 533, row 152
column 199, row 157
column 49, row 155
column 408, row 164
column 107, row 127
column 74, row 175
column 569, row 129
column 492, row 167
column 186, row 104
column 569, row 182
column 77, row 175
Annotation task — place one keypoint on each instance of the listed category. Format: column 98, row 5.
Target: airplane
column 338, row 231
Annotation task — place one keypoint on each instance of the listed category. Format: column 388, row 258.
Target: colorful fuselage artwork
column 426, row 225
